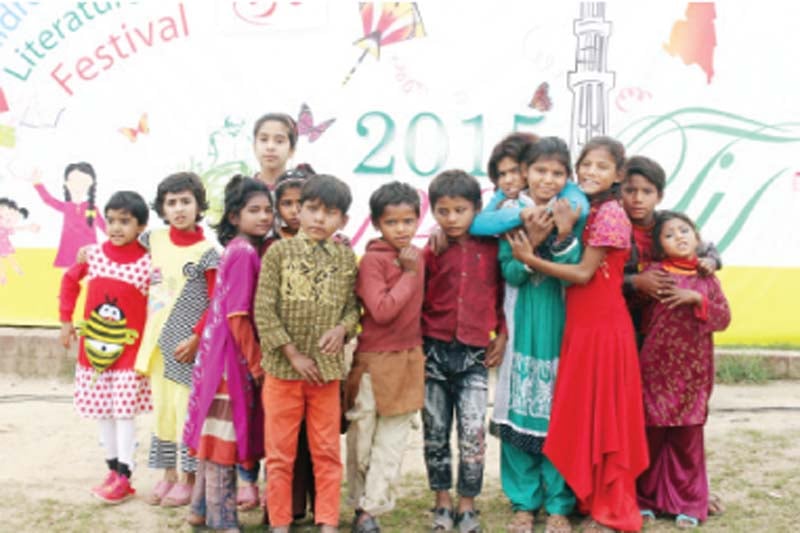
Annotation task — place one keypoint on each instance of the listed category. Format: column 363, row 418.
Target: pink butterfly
column 306, row 126
column 541, row 99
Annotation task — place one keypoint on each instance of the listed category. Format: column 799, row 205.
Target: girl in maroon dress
column 677, row 361
column 596, row 437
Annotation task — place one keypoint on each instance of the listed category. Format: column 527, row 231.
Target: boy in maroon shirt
column 386, row 386
column 463, row 306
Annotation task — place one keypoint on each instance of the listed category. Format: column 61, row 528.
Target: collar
column 186, row 237
column 684, row 267
column 127, row 253
column 326, row 245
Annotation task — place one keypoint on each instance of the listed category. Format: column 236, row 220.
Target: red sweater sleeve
column 211, row 279
column 70, row 290
column 383, row 301
column 242, row 331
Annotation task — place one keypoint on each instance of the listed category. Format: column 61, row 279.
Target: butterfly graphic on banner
column 306, row 126
column 541, row 98
column 132, row 134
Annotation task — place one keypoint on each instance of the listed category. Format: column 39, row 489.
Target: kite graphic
column 306, row 126
column 391, row 23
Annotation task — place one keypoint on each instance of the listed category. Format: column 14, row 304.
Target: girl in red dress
column 596, row 438
column 678, row 374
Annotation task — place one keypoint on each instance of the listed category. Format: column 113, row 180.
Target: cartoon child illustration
column 10, row 216
column 81, row 219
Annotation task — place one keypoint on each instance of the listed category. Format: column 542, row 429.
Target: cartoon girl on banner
column 81, row 219
column 10, row 216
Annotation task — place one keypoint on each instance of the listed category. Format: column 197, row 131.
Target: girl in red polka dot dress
column 107, row 388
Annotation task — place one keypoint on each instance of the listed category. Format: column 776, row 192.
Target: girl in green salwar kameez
column 528, row 373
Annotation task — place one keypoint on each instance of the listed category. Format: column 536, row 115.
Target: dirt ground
column 50, row 457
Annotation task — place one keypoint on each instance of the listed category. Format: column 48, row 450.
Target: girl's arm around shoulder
column 492, row 221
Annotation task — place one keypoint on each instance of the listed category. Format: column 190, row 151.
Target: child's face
column 640, row 198
column 398, row 225
column 597, row 172
column 5, row 216
column 454, row 214
column 678, row 239
column 78, row 184
column 122, row 227
column 272, row 147
column 510, row 178
column 255, row 218
column 546, row 178
column 319, row 221
column 289, row 208
column 180, row 210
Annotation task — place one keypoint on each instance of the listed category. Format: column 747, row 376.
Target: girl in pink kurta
column 81, row 219
column 677, row 364
column 222, row 426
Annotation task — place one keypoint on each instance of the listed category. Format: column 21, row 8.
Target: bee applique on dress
column 106, row 334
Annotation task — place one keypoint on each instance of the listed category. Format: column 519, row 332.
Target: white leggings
column 119, row 439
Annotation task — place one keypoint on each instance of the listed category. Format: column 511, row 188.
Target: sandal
column 715, row 505
column 442, row 519
column 159, row 491
column 247, row 497
column 468, row 521
column 557, row 523
column 591, row 525
column 179, row 495
column 522, row 522
column 368, row 525
column 684, row 521
column 648, row 516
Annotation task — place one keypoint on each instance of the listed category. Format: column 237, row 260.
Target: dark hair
column 86, row 168
column 331, row 191
column 548, row 148
column 284, row 119
column 291, row 179
column 617, row 152
column 129, row 201
column 11, row 204
column 238, row 191
column 662, row 217
column 512, row 145
column 648, row 169
column 180, row 182
column 455, row 184
column 392, row 193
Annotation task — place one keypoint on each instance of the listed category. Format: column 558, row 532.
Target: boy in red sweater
column 386, row 384
column 463, row 306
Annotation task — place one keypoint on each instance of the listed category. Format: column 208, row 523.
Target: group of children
column 242, row 355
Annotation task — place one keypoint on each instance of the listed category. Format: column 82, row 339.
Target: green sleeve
column 514, row 272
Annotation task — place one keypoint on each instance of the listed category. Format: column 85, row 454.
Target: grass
column 742, row 369
column 754, row 471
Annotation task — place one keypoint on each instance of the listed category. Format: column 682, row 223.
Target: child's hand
column 706, row 266
column 675, row 297
column 306, row 367
column 67, row 335
column 538, row 227
column 437, row 241
column 83, row 254
column 341, row 238
column 186, row 350
column 528, row 212
column 495, row 351
column 521, row 247
column 653, row 283
column 408, row 259
column 332, row 341
column 565, row 217
column 35, row 176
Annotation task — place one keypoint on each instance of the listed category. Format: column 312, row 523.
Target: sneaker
column 110, row 477
column 468, row 522
column 118, row 491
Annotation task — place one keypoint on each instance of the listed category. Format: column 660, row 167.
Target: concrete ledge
column 36, row 352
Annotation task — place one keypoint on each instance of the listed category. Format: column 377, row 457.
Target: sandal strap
column 686, row 518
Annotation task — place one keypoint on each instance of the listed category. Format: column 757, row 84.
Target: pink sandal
column 179, row 495
column 159, row 491
column 247, row 497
